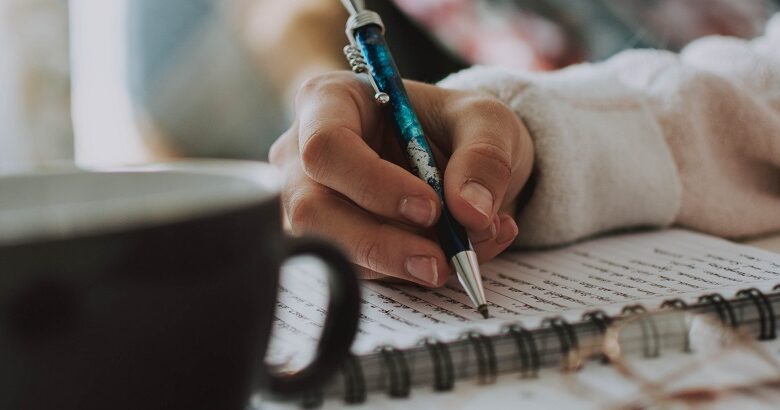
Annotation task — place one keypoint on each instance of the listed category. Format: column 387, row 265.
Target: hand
column 346, row 177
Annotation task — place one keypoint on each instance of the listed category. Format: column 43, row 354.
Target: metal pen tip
column 466, row 267
column 483, row 309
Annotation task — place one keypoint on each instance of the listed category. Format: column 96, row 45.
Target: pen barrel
column 369, row 39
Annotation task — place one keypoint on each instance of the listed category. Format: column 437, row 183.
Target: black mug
column 152, row 288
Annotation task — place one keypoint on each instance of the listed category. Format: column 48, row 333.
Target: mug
column 152, row 288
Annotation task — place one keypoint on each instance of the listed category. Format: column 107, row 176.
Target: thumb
column 485, row 141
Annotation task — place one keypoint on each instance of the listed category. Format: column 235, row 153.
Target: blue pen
column 368, row 52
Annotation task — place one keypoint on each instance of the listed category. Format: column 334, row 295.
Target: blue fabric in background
column 157, row 30
column 192, row 78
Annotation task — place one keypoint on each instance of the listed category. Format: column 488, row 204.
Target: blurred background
column 105, row 130
column 158, row 79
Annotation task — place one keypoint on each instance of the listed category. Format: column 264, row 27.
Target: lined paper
column 608, row 273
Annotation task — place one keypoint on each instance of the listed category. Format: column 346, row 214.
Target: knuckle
column 275, row 153
column 315, row 153
column 364, row 191
column 278, row 152
column 489, row 108
column 486, row 105
column 367, row 274
column 334, row 81
column 313, row 85
column 492, row 156
column 302, row 209
column 369, row 252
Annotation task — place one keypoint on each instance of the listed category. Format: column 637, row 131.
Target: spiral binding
column 651, row 345
column 599, row 318
column 566, row 336
column 529, row 354
column 487, row 368
column 602, row 321
column 723, row 307
column 443, row 372
column 631, row 310
column 354, row 382
column 766, row 313
column 526, row 349
column 398, row 372
column 676, row 303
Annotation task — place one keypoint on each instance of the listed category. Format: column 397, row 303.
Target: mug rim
column 216, row 187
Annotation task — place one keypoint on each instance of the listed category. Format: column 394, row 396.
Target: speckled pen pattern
column 382, row 68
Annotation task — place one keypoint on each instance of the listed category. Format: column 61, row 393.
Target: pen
column 368, row 52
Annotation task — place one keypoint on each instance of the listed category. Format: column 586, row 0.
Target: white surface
column 106, row 132
column 57, row 204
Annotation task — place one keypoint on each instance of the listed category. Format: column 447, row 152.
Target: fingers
column 374, row 245
column 490, row 160
column 338, row 186
column 334, row 153
column 488, row 246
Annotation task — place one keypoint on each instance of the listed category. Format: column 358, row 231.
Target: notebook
column 412, row 337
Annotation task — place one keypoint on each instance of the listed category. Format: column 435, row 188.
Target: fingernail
column 418, row 210
column 423, row 268
column 478, row 196
column 509, row 230
column 487, row 234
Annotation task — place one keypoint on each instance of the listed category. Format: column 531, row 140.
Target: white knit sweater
column 650, row 138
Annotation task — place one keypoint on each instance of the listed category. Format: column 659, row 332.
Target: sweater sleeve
column 649, row 139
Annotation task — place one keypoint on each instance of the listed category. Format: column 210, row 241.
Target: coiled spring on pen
column 358, row 64
column 355, row 58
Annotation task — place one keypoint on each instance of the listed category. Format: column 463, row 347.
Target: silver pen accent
column 466, row 266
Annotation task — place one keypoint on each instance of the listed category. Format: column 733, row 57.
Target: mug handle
column 341, row 321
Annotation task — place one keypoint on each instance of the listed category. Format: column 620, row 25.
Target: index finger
column 335, row 115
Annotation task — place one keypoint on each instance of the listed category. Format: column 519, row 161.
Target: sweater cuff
column 602, row 163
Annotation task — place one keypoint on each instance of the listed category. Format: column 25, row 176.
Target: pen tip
column 483, row 309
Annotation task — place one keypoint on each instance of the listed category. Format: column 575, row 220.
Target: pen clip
column 357, row 61
column 358, row 64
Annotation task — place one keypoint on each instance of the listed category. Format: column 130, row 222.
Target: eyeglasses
column 671, row 359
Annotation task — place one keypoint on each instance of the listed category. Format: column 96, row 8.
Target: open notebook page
column 607, row 273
